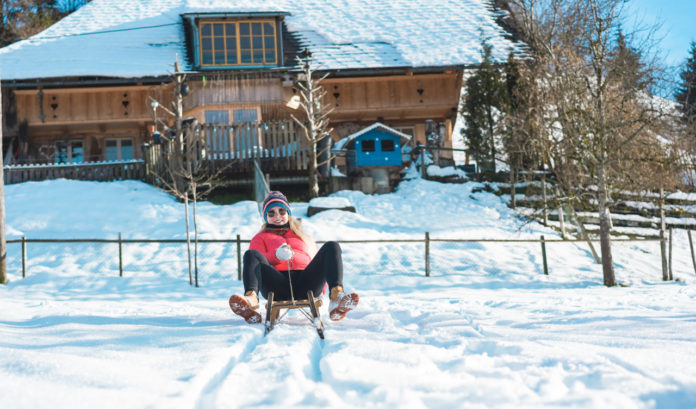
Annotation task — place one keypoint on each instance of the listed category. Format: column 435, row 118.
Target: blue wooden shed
column 375, row 146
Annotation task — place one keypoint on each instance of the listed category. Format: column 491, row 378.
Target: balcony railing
column 279, row 146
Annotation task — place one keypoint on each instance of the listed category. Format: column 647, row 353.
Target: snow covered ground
column 486, row 330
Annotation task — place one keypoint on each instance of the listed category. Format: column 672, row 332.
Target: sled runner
column 309, row 307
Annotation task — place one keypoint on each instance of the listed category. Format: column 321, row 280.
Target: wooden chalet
column 83, row 91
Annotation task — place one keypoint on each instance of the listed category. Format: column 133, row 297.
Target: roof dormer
column 235, row 40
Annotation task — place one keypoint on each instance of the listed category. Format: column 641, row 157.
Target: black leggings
column 326, row 267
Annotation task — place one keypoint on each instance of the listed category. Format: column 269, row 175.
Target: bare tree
column 597, row 109
column 187, row 174
column 316, row 127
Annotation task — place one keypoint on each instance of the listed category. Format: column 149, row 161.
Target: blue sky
column 676, row 31
column 678, row 24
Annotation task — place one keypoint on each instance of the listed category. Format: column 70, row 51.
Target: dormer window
column 225, row 43
column 230, row 40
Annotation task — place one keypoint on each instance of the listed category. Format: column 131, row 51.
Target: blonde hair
column 296, row 227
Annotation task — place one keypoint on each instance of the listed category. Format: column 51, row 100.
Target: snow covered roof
column 343, row 143
column 142, row 38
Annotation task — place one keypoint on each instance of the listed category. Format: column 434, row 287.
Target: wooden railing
column 98, row 171
column 279, row 146
column 277, row 140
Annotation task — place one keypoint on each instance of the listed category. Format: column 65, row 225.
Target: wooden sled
column 309, row 307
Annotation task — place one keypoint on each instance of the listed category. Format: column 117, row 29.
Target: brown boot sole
column 241, row 307
column 347, row 303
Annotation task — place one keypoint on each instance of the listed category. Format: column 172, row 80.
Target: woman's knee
column 332, row 246
column 250, row 255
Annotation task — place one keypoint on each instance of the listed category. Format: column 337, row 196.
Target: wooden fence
column 426, row 241
column 99, row 171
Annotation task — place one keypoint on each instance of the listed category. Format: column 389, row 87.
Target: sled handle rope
column 292, row 294
column 273, row 307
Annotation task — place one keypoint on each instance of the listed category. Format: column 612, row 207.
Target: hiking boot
column 341, row 303
column 245, row 306
column 253, row 299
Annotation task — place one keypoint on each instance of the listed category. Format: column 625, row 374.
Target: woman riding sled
column 282, row 253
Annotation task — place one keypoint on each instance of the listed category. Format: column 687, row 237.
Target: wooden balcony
column 279, row 147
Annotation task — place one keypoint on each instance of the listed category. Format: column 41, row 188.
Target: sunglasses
column 281, row 212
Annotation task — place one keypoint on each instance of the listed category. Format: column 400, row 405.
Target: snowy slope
column 486, row 330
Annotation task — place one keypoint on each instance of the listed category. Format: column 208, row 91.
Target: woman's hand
column 284, row 252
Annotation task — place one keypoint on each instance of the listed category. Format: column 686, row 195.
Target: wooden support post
column 24, row 257
column 543, row 193
column 120, row 255
column 561, row 220
column 663, row 239
column 422, row 157
column 693, row 256
column 584, row 234
column 671, row 238
column 663, row 257
column 427, row 254
column 239, row 258
column 543, row 255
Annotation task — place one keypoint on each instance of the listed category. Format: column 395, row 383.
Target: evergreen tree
column 20, row 19
column 485, row 98
column 686, row 93
column 629, row 68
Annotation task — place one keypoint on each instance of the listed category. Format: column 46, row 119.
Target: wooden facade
column 51, row 120
column 88, row 124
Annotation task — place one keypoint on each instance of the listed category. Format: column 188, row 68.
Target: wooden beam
column 134, row 120
column 406, row 77
column 84, row 90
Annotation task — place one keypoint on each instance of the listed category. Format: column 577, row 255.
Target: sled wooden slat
column 274, row 308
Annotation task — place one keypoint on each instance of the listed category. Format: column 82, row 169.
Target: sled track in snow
column 208, row 394
column 233, row 375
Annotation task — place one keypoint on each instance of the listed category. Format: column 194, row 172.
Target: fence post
column 663, row 256
column 120, row 255
column 671, row 277
column 239, row 258
column 24, row 256
column 427, row 254
column 543, row 255
column 691, row 245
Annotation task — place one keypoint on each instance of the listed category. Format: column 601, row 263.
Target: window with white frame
column 69, row 152
column 408, row 130
column 118, row 149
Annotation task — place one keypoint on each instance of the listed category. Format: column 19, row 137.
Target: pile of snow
column 486, row 329
column 330, row 202
column 447, row 171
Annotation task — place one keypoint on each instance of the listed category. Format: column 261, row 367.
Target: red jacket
column 268, row 242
